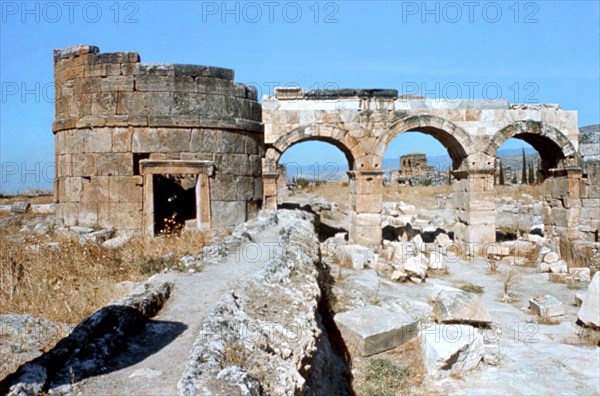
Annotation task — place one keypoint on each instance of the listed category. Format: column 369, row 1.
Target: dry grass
column 396, row 372
column 515, row 191
column 472, row 288
column 68, row 282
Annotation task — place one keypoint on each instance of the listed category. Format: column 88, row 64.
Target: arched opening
column 518, row 177
column 418, row 166
column 313, row 176
column 529, row 154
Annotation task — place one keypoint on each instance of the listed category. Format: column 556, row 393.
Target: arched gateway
column 362, row 123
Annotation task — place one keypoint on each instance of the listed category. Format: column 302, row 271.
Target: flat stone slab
column 451, row 305
column 546, row 306
column 589, row 313
column 451, row 349
column 372, row 329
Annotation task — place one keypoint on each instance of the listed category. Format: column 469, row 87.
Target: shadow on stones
column 112, row 338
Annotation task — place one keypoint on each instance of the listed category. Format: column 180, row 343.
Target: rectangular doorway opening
column 174, row 202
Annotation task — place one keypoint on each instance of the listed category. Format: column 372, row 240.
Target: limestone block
column 416, row 266
column 120, row 215
column 559, row 267
column 101, row 70
column 126, row 189
column 88, row 214
column 144, row 103
column 579, row 299
column 205, row 140
column 589, row 313
column 580, row 274
column 372, row 329
column 83, row 165
column 114, row 164
column 546, row 306
column 160, row 140
column 543, row 267
column 357, row 256
column 451, row 349
column 121, row 140
column 228, row 213
column 551, row 258
column 443, row 240
column 95, row 190
column 366, row 203
column 97, row 140
column 233, row 164
column 437, row 261
column 231, row 142
column 117, row 83
column 155, row 83
column 451, row 305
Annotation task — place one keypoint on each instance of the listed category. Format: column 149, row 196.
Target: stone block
column 228, row 213
column 580, row 274
column 117, row 83
column 114, row 164
column 126, row 189
column 372, row 329
column 121, row 140
column 559, row 267
column 88, row 214
column 97, row 140
column 589, row 313
column 451, row 305
column 551, row 258
column 546, row 307
column 366, row 203
column 155, row 83
column 451, row 349
column 205, row 140
column 95, row 190
column 120, row 215
column 160, row 140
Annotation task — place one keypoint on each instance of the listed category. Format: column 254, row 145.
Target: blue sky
column 546, row 52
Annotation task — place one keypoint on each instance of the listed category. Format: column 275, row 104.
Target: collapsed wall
column 126, row 132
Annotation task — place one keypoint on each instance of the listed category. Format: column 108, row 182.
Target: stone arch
column 455, row 139
column 335, row 136
column 552, row 145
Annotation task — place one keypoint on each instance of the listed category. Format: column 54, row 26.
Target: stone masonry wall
column 112, row 111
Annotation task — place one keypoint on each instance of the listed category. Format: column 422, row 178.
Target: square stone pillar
column 366, row 202
column 562, row 202
column 270, row 175
column 475, row 209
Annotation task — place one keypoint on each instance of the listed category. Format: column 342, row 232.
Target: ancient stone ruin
column 413, row 164
column 140, row 143
column 144, row 146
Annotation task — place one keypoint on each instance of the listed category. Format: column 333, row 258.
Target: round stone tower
column 153, row 146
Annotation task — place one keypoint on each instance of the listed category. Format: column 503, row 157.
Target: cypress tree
column 524, row 169
column 501, row 176
column 531, row 175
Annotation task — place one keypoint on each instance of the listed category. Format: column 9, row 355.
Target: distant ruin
column 140, row 143
column 413, row 165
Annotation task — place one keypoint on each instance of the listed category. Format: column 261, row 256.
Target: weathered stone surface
column 451, row 349
column 589, row 313
column 551, row 258
column 372, row 329
column 546, row 306
column 580, row 274
column 356, row 256
column 451, row 305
